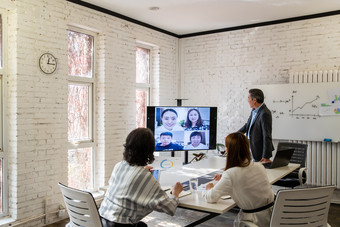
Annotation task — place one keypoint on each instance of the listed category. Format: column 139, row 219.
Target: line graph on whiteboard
column 303, row 111
column 302, row 107
column 299, row 108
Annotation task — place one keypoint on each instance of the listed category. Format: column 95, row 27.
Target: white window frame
column 91, row 82
column 146, row 86
column 3, row 144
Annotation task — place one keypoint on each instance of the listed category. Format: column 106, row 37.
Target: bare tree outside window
column 80, row 54
column 142, row 65
column 143, row 84
column 80, row 168
column 80, row 102
column 141, row 103
column 78, row 112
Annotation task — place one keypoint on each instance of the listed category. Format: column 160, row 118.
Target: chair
column 81, row 207
column 300, row 207
column 297, row 177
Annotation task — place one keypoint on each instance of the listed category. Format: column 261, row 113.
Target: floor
column 183, row 217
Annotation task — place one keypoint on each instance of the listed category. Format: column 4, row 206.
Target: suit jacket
column 260, row 134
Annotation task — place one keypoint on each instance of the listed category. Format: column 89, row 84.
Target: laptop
column 282, row 158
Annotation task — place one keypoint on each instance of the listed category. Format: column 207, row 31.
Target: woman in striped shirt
column 133, row 192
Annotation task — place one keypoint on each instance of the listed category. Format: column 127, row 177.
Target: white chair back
column 81, row 207
column 302, row 207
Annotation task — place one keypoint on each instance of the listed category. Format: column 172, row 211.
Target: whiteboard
column 307, row 111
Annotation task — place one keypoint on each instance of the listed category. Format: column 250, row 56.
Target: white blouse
column 249, row 187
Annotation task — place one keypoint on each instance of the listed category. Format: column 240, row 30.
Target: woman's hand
column 148, row 168
column 265, row 160
column 209, row 186
column 217, row 177
column 177, row 189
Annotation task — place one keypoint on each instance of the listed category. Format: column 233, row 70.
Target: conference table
column 205, row 170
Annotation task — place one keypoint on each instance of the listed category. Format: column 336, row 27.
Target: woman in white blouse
column 245, row 181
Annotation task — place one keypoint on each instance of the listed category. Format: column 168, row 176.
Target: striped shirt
column 133, row 193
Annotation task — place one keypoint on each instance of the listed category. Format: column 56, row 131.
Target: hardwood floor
column 183, row 217
column 334, row 215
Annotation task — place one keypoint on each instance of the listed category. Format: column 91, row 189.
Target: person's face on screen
column 193, row 117
column 251, row 101
column 195, row 140
column 165, row 140
column 169, row 120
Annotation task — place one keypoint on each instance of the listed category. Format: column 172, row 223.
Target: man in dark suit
column 259, row 127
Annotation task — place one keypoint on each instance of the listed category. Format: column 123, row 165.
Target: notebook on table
column 282, row 158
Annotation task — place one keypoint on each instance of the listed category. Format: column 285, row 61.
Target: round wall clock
column 47, row 63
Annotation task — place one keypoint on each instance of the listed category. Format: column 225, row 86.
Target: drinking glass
column 193, row 182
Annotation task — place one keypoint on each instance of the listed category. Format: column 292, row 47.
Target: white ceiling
column 183, row 17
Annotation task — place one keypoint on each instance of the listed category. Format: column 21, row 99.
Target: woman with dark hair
column 196, row 142
column 245, row 181
column 133, row 192
column 194, row 121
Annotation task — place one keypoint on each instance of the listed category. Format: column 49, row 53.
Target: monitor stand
column 186, row 154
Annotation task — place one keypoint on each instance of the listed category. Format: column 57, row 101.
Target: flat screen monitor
column 183, row 127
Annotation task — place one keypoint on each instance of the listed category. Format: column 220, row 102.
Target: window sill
column 6, row 220
column 98, row 196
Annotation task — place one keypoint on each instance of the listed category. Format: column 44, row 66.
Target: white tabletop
column 212, row 164
column 193, row 170
column 277, row 173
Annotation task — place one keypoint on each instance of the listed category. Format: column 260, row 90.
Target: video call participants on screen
column 166, row 143
column 194, row 121
column 181, row 121
column 196, row 141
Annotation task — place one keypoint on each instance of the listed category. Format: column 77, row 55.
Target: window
column 80, row 110
column 142, row 84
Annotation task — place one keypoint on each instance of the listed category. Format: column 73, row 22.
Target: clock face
column 48, row 63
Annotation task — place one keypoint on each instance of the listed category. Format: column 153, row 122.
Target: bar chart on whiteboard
column 304, row 111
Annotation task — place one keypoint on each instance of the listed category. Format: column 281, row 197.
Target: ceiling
column 183, row 17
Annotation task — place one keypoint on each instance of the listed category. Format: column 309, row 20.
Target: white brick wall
column 37, row 103
column 218, row 69
column 215, row 70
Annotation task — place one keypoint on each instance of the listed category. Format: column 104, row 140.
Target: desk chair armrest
column 247, row 224
column 301, row 171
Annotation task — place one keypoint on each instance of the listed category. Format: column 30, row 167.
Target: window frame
column 3, row 136
column 146, row 86
column 75, row 143
column 91, row 82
